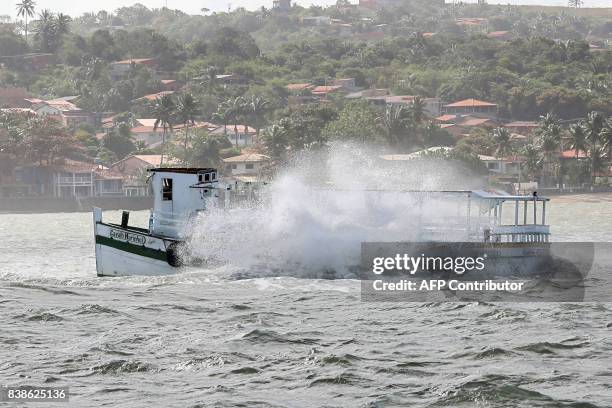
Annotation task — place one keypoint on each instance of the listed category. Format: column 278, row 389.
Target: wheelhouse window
column 166, row 189
column 249, row 166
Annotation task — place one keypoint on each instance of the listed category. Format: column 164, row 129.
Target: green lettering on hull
column 132, row 248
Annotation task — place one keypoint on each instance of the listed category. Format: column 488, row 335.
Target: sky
column 75, row 8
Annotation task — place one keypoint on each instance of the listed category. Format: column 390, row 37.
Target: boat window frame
column 167, row 185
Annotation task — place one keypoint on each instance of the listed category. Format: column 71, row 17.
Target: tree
column 61, row 27
column 119, row 140
column 222, row 116
column 236, row 109
column 417, row 110
column 46, row 141
column 578, row 140
column 187, row 109
column 45, row 30
column 208, row 78
column 503, row 142
column 395, row 122
column 357, row 121
column 206, row 149
column 549, row 135
column 26, row 9
column 257, row 108
column 276, row 141
column 533, row 161
column 575, row 3
column 163, row 109
column 593, row 127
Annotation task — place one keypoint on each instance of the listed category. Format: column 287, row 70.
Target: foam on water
column 317, row 212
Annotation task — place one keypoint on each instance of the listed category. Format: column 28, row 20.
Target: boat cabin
column 179, row 194
column 510, row 218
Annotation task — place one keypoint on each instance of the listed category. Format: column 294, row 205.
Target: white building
column 247, row 164
column 245, row 135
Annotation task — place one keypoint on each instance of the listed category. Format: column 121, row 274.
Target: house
column 247, row 164
column 521, row 127
column 346, row 83
column 154, row 97
column 231, row 79
column 471, row 22
column 368, row 93
column 281, row 5
column 144, row 131
column 63, row 110
column 500, row 35
column 71, row 179
column 298, row 87
column 472, row 122
column 324, row 90
column 431, row 105
column 456, row 131
column 239, row 135
column 119, row 69
column 316, row 21
column 171, row 85
column 470, row 106
column 133, row 170
column 30, row 62
column 414, row 155
column 11, row 97
column 509, row 167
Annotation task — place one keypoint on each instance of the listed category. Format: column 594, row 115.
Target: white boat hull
column 115, row 262
column 124, row 251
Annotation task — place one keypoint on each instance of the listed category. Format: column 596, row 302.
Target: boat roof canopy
column 491, row 194
column 183, row 170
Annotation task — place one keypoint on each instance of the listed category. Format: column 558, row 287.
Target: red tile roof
column 446, row 118
column 469, row 103
column 571, row 154
column 469, row 121
column 497, row 34
column 297, row 87
column 137, row 61
column 322, row 90
column 522, row 123
column 154, row 96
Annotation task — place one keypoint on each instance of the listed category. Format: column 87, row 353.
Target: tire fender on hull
column 174, row 254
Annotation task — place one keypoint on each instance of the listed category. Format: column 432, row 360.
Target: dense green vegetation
column 548, row 72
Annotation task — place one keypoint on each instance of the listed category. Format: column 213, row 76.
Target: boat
column 179, row 195
column 509, row 231
column 513, row 243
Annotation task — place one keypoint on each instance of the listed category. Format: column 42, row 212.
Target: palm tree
column 26, row 9
column 606, row 138
column 418, row 109
column 533, row 160
column 578, row 141
column 394, row 121
column 257, row 108
column 222, row 116
column 163, row 109
column 187, row 109
column 503, row 142
column 276, row 141
column 593, row 127
column 208, row 78
column 549, row 132
column 237, row 108
column 45, row 29
column 61, row 25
